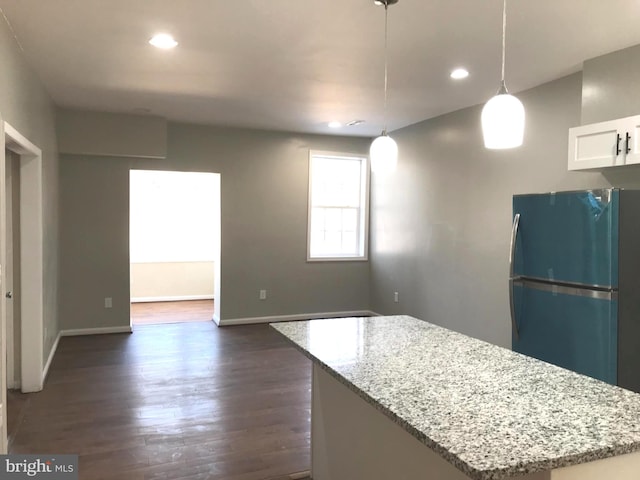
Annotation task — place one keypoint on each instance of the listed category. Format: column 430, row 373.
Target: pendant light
column 503, row 115
column 384, row 150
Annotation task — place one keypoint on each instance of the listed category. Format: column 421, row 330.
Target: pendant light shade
column 383, row 154
column 503, row 122
column 503, row 115
column 384, row 150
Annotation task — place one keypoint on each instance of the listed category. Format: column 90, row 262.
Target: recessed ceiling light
column 163, row 40
column 459, row 73
column 335, row 124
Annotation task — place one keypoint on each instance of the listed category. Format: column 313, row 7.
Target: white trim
column 300, row 475
column 289, row 318
column 95, row 331
column 54, row 348
column 19, row 143
column 171, row 299
column 144, row 262
column 216, row 319
column 31, row 258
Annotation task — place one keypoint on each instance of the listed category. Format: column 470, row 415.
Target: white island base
column 351, row 440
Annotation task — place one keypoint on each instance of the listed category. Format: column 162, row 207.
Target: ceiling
column 295, row 65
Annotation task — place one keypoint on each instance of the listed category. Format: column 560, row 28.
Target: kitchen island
column 397, row 398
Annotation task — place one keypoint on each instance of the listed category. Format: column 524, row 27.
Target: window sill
column 337, row 259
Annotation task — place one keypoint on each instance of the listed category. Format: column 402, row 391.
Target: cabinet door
column 631, row 144
column 596, row 145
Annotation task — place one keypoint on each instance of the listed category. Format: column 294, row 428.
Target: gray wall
column 610, row 86
column 264, row 181
column 441, row 223
column 25, row 105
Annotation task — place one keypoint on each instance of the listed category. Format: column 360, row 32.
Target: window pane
column 317, row 243
column 332, row 242
column 317, row 220
column 333, row 220
column 349, row 219
column 336, row 182
column 349, row 243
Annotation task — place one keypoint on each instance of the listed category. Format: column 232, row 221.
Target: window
column 338, row 207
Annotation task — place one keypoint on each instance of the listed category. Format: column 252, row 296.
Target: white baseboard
column 54, row 347
column 216, row 319
column 179, row 298
column 289, row 318
column 15, row 385
column 300, row 475
column 95, row 331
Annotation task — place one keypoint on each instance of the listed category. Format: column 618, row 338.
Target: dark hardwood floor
column 151, row 313
column 16, row 407
column 175, row 401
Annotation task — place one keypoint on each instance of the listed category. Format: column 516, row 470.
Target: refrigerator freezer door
column 572, row 331
column 568, row 237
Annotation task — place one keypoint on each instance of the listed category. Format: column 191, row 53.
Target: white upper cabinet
column 633, row 130
column 606, row 144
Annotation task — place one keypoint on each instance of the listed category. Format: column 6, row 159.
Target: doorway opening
column 12, row 267
column 174, row 246
column 22, row 278
column 15, row 400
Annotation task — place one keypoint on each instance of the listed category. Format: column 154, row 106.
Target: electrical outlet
column 108, row 302
column 395, row 297
column 263, row 294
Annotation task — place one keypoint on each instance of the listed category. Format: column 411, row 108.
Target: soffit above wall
column 111, row 134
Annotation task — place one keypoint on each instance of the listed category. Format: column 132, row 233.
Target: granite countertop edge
column 475, row 474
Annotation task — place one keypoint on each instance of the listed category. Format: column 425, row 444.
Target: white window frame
column 363, row 219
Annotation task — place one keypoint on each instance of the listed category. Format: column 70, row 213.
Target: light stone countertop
column 490, row 412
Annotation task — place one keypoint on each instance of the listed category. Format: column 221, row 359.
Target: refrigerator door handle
column 512, row 256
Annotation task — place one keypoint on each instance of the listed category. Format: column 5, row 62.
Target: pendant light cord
column 386, row 63
column 504, row 43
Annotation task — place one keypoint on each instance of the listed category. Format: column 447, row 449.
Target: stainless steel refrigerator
column 574, row 285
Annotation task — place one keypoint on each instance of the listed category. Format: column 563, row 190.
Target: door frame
column 31, row 258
